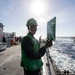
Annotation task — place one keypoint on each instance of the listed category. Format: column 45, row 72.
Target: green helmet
column 31, row 21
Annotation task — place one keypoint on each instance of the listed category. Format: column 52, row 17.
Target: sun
column 38, row 7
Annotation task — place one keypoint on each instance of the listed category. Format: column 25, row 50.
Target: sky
column 15, row 13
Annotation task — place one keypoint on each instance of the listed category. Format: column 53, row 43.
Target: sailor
column 31, row 52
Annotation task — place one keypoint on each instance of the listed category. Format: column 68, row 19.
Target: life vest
column 31, row 64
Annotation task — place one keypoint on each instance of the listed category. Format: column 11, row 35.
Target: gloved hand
column 48, row 43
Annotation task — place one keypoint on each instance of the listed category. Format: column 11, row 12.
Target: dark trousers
column 32, row 72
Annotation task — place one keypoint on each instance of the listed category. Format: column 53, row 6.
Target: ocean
column 63, row 53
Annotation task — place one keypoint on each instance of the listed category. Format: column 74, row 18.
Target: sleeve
column 28, row 47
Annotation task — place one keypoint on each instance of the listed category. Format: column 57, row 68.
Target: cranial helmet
column 31, row 21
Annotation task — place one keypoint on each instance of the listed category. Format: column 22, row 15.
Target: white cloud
column 8, row 9
column 65, row 21
column 4, row 13
column 66, row 15
column 42, row 20
column 21, row 31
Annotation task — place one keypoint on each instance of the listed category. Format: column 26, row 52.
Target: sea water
column 63, row 53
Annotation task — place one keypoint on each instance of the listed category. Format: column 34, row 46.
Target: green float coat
column 31, row 64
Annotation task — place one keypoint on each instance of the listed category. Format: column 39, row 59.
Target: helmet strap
column 29, row 27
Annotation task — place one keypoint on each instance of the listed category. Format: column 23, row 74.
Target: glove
column 48, row 43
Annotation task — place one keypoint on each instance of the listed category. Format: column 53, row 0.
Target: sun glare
column 38, row 7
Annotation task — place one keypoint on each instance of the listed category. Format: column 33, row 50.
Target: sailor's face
column 32, row 29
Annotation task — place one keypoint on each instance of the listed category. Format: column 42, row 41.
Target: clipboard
column 51, row 29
